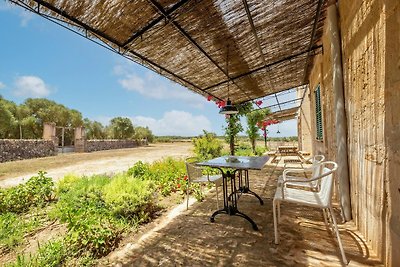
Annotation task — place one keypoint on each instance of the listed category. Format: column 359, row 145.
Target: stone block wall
column 98, row 145
column 17, row 149
column 370, row 58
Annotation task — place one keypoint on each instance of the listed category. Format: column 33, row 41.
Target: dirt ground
column 181, row 237
column 187, row 237
column 109, row 161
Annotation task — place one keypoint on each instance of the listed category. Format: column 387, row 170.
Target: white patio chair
column 195, row 175
column 320, row 199
column 315, row 169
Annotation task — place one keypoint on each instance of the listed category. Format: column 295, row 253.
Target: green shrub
column 130, row 198
column 93, row 234
column 207, row 146
column 165, row 173
column 36, row 192
column 139, row 170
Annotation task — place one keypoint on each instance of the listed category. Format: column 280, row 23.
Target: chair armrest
column 294, row 170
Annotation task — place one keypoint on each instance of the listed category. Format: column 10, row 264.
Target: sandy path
column 111, row 162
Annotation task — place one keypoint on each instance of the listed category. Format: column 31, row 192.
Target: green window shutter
column 318, row 113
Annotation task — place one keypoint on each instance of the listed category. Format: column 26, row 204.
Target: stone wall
column 16, row 149
column 363, row 46
column 370, row 55
column 304, row 124
column 97, row 145
column 392, row 130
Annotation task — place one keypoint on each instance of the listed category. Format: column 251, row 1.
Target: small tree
column 121, row 128
column 207, row 146
column 234, row 126
column 94, row 129
column 253, row 118
column 144, row 133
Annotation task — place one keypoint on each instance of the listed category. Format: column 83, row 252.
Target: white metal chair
column 320, row 199
column 315, row 169
column 195, row 175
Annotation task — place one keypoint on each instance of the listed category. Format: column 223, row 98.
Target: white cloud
column 25, row 16
column 155, row 86
column 175, row 123
column 31, row 86
column 2, row 85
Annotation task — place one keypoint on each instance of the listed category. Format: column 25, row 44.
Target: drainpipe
column 340, row 113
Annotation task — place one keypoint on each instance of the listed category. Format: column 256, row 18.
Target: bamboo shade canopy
column 271, row 42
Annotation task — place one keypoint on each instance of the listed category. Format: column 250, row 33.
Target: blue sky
column 41, row 59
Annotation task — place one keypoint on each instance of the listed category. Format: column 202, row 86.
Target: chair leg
column 187, row 196
column 274, row 206
column 325, row 218
column 279, row 211
column 338, row 236
column 216, row 188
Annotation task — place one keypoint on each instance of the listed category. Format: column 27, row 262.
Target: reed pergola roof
column 256, row 47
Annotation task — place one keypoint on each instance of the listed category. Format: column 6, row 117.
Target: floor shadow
column 190, row 239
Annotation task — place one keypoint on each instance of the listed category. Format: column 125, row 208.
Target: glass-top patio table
column 234, row 164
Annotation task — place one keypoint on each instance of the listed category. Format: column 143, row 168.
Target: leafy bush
column 36, row 192
column 207, row 146
column 129, row 197
column 164, row 173
column 97, row 210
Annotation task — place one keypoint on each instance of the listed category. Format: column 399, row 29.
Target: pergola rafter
column 271, row 43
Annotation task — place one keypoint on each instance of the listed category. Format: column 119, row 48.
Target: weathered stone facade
column 97, row 145
column 11, row 149
column 371, row 63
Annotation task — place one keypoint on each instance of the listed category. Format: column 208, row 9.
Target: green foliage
column 36, row 192
column 94, row 129
column 52, row 253
column 207, row 146
column 129, row 197
column 13, row 228
column 254, row 117
column 121, row 128
column 143, row 133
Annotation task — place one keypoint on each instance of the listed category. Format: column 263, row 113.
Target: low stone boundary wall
column 97, row 145
column 17, row 149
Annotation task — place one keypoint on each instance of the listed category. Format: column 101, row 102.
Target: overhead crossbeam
column 314, row 30
column 194, row 43
column 154, row 22
column 80, row 24
column 262, row 68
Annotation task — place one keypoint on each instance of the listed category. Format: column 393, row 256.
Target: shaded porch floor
column 187, row 237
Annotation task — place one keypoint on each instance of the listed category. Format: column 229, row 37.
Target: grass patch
column 13, row 227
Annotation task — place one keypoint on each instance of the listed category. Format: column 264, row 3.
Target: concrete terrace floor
column 188, row 238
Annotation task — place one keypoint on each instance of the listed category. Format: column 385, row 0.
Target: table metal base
column 244, row 188
column 230, row 200
column 233, row 212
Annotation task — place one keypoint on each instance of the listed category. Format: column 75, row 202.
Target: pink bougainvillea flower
column 209, row 98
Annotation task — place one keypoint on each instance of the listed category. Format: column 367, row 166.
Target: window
column 318, row 113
